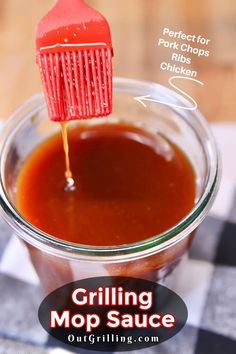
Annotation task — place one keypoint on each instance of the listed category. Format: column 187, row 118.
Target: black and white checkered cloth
column 206, row 282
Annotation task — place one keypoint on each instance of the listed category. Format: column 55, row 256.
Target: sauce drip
column 133, row 185
column 70, row 183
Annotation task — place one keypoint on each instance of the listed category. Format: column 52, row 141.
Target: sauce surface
column 130, row 185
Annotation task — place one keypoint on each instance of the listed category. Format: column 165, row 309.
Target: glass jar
column 58, row 262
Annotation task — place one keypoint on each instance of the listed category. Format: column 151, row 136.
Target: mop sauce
column 130, row 185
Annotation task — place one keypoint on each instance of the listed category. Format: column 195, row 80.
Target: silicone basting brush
column 74, row 54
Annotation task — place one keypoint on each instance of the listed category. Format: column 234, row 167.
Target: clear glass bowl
column 58, row 262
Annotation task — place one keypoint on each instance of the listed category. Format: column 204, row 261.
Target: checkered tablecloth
column 207, row 281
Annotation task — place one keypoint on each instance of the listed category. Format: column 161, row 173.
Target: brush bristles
column 77, row 85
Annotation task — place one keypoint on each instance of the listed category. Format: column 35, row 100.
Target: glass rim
column 169, row 237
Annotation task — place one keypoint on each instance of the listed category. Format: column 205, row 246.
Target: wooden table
column 136, row 27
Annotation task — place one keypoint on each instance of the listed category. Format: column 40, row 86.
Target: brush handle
column 72, row 22
column 78, row 9
column 70, row 2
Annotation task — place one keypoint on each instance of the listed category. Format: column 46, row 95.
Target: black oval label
column 113, row 314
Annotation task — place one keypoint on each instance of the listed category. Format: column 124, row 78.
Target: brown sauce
column 130, row 185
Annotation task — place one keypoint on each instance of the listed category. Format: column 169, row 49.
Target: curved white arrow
column 142, row 99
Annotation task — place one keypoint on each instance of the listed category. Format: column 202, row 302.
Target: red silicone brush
column 74, row 54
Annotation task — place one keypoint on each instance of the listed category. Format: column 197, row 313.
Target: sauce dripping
column 70, row 183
